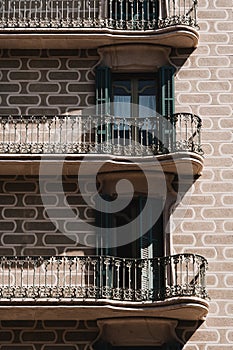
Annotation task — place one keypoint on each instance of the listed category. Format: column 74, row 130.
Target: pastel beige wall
column 203, row 223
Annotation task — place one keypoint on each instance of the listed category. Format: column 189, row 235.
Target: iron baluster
column 79, row 20
column 63, row 285
column 186, row 283
column 57, row 15
column 82, row 262
column 129, row 265
column 101, row 277
column 135, row 279
column 76, row 277
column 71, row 263
column 118, row 289
column 88, row 277
column 95, row 285
column 10, row 293
column 3, row 23
column 2, row 284
column 34, row 279
column 107, row 263
column 21, row 288
column 27, row 286
column 123, row 284
column 112, row 281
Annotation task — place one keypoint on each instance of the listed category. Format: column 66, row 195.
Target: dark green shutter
column 166, row 87
column 103, row 220
column 103, row 99
column 103, row 90
column 151, row 243
column 167, row 107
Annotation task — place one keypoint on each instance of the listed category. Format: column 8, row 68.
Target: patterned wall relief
column 46, row 82
column 25, row 225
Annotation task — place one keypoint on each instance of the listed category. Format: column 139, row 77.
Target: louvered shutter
column 103, row 90
column 146, row 248
column 103, row 248
column 151, row 244
column 103, row 99
column 103, row 221
column 167, row 107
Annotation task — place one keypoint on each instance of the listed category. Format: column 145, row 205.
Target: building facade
column 116, row 175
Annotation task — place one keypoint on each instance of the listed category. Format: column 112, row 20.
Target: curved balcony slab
column 177, row 308
column 178, row 36
column 111, row 167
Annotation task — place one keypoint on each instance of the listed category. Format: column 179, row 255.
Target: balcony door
column 135, row 96
column 137, row 269
column 150, row 244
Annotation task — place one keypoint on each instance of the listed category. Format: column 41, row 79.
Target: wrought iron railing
column 113, row 14
column 98, row 135
column 102, row 277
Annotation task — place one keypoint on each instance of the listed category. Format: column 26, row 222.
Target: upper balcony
column 94, row 23
column 122, row 143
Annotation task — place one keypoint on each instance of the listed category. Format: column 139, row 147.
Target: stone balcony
column 94, row 23
column 121, row 143
column 157, row 298
column 75, row 278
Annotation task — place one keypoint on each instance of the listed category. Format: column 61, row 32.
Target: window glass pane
column 146, row 98
column 146, row 85
column 122, row 98
column 122, row 87
column 147, row 106
column 134, row 97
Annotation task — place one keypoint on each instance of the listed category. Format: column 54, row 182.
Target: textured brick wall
column 46, row 81
column 204, row 86
column 47, row 335
column 25, row 227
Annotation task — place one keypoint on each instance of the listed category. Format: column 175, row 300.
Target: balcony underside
column 178, row 308
column 182, row 163
column 150, row 324
column 175, row 36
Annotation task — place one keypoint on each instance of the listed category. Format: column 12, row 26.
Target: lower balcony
column 120, row 141
column 93, row 23
column 135, row 302
column 102, row 280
